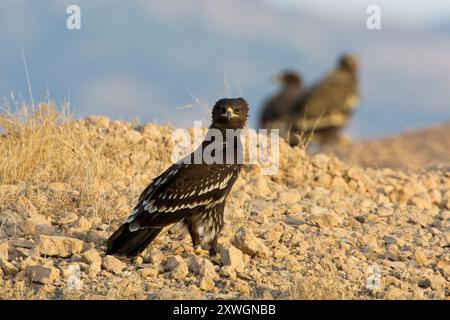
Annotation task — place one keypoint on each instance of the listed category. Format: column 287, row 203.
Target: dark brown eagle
column 191, row 192
column 327, row 106
column 276, row 107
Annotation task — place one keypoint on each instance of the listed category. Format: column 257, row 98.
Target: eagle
column 192, row 191
column 277, row 106
column 326, row 108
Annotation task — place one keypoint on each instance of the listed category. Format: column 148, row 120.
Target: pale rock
column 4, row 246
column 25, row 208
column 58, row 246
column 177, row 267
column 153, row 256
column 320, row 161
column 420, row 258
column 42, row 274
column 133, row 136
column 92, row 257
column 8, row 268
column 99, row 121
column 323, row 217
column 207, row 269
column 246, row 241
column 112, row 264
column 228, row 272
column 82, row 224
column 232, row 257
column 150, row 272
column 206, row 284
column 444, row 266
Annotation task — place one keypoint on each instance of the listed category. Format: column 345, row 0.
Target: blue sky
column 146, row 59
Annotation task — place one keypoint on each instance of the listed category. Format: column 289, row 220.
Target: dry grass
column 45, row 145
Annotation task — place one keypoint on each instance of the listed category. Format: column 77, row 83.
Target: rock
column 320, row 161
column 8, row 268
column 232, row 257
column 394, row 294
column 323, row 217
column 42, row 274
column 4, row 246
column 99, row 121
column 424, row 283
column 82, row 224
column 97, row 237
column 149, row 272
column 246, row 241
column 177, row 267
column 437, row 282
column 25, row 208
column 92, row 257
column 58, row 246
column 207, row 269
column 289, row 197
column 112, row 264
column 133, row 136
column 444, row 266
column 422, row 201
column 227, row 272
column 153, row 256
column 206, row 284
column 420, row 258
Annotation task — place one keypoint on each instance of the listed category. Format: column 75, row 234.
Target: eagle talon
column 201, row 252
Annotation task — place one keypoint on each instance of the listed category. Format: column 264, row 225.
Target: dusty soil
column 319, row 228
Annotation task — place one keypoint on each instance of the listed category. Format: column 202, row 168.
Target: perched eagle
column 328, row 105
column 191, row 191
column 275, row 109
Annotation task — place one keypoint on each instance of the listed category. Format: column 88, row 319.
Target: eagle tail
column 126, row 243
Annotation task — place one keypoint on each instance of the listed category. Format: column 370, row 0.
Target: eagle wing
column 179, row 191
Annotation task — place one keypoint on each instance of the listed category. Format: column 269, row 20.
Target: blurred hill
column 414, row 149
column 140, row 59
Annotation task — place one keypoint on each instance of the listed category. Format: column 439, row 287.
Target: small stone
column 394, row 294
column 82, row 224
column 444, row 266
column 177, row 267
column 227, row 272
column 148, row 272
column 153, row 256
column 92, row 257
column 437, row 282
column 100, row 121
column 58, row 246
column 8, row 268
column 4, row 246
column 42, row 274
column 112, row 264
column 420, row 258
column 389, row 240
column 206, row 284
column 25, row 208
column 207, row 269
column 133, row 136
column 424, row 283
column 323, row 217
column 247, row 242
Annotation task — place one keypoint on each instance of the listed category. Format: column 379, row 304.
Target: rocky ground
column 318, row 229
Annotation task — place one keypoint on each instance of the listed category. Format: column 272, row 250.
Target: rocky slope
column 319, row 228
column 409, row 150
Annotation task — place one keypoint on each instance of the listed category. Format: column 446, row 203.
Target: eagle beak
column 230, row 114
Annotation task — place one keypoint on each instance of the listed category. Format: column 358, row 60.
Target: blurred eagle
column 188, row 192
column 326, row 107
column 275, row 109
